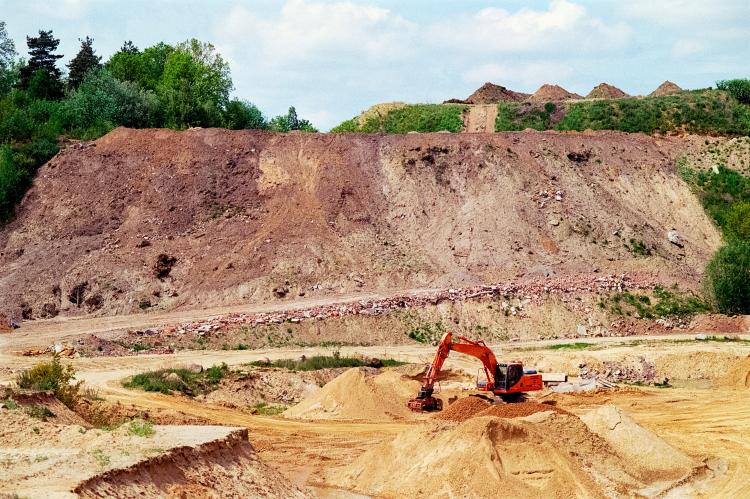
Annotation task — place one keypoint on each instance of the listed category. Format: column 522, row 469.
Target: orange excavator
column 505, row 379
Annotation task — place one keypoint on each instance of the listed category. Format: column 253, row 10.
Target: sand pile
column 463, row 409
column 544, row 455
column 738, row 376
column 489, row 93
column 359, row 393
column 606, row 91
column 666, row 88
column 519, row 410
column 552, row 93
column 658, row 459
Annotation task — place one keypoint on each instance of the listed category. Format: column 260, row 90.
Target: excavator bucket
column 427, row 404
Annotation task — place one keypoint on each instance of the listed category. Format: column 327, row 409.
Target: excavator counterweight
column 505, row 379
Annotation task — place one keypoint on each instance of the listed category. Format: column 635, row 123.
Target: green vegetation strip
column 321, row 362
column 179, row 380
column 412, row 118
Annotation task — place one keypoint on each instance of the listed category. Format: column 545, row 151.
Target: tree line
column 173, row 86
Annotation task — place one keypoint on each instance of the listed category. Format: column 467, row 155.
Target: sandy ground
column 711, row 424
column 481, row 118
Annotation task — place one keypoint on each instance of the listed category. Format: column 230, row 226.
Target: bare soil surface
column 666, row 88
column 606, row 91
column 489, row 93
column 481, row 118
column 212, row 218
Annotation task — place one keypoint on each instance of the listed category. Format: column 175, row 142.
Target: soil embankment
column 206, row 218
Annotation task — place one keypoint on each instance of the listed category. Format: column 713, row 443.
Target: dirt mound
column 552, row 455
column 463, row 409
column 489, row 93
column 5, row 324
column 658, row 460
column 270, row 385
column 715, row 323
column 359, row 393
column 738, row 375
column 229, row 467
column 553, row 93
column 606, row 91
column 102, row 413
column 58, row 413
column 666, row 88
column 519, row 410
column 248, row 216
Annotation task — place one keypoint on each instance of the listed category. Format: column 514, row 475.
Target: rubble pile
column 534, row 292
column 640, row 371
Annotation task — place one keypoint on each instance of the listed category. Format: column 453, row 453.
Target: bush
column 727, row 278
column 242, row 115
column 141, row 428
column 739, row 89
column 321, row 362
column 513, row 116
column 726, row 197
column 184, row 380
column 52, row 376
column 13, row 183
column 423, row 118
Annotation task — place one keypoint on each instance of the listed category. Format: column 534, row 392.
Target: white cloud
column 700, row 13
column 309, row 31
column 521, row 76
column 565, row 26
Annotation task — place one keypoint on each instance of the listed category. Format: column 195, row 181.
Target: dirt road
column 481, row 118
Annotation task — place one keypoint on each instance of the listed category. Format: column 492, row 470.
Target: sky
column 333, row 59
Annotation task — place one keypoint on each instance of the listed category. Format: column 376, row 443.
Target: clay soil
column 211, row 218
column 606, row 91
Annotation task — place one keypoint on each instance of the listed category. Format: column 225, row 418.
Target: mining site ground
column 704, row 416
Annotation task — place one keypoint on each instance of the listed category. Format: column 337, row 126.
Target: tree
column 195, row 85
column 41, row 76
column 240, row 115
column 727, row 278
column 7, row 60
column 82, row 63
column 290, row 122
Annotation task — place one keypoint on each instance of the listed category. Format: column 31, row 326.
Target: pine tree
column 41, row 75
column 129, row 48
column 292, row 121
column 82, row 63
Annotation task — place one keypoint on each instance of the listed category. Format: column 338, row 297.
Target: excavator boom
column 502, row 379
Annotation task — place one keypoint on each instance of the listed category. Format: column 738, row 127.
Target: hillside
column 144, row 219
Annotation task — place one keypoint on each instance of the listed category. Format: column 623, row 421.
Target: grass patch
column 571, row 346
column 663, row 303
column 141, row 428
column 516, row 116
column 426, row 332
column 179, row 380
column 39, row 412
column 321, row 362
column 102, row 460
column 265, row 409
column 412, row 118
column 10, row 404
column 724, row 339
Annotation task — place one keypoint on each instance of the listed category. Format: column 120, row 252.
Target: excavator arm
column 425, row 400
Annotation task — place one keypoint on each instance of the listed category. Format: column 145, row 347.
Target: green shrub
column 39, row 412
column 571, row 346
column 739, row 89
column 13, row 183
column 665, row 303
column 727, row 278
column 52, row 376
column 725, row 196
column 514, row 116
column 184, row 381
column 141, row 428
column 423, row 118
column 241, row 115
column 265, row 409
column 426, row 332
column 320, row 362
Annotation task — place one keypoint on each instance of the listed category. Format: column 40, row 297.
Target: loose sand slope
column 543, row 455
column 247, row 216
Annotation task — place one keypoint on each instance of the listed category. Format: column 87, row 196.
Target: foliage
column 665, row 303
column 185, row 380
column 571, row 346
column 52, row 376
column 39, row 411
column 143, row 68
column 41, row 76
column 414, row 118
column 320, row 362
column 102, row 102
column 13, row 183
column 7, row 60
column 241, row 115
column 195, row 85
column 739, row 89
column 638, row 247
column 265, row 409
column 726, row 197
column 519, row 116
column 727, row 278
column 700, row 111
column 141, row 428
column 84, row 61
column 426, row 332
column 290, row 122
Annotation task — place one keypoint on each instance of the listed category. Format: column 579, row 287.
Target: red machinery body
column 505, row 379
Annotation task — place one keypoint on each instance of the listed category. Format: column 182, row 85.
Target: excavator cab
column 507, row 375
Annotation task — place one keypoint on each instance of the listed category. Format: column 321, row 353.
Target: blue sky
column 334, row 58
